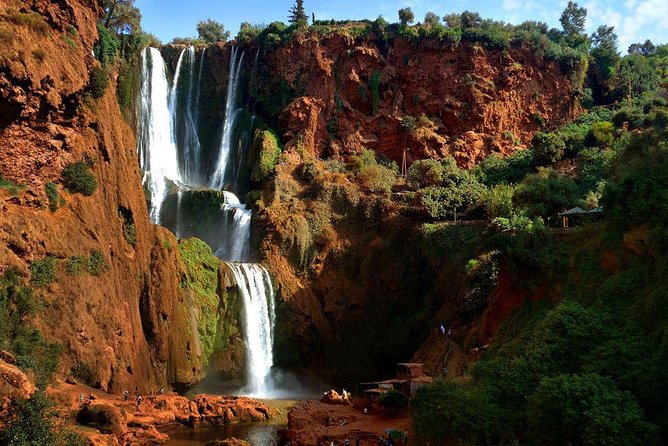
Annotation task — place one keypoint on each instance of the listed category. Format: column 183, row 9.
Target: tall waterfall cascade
column 174, row 161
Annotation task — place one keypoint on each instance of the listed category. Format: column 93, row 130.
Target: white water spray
column 259, row 320
column 157, row 150
column 231, row 114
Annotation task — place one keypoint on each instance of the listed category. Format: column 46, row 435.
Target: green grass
column 12, row 187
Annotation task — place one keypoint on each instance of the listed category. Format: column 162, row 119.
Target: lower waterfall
column 259, row 318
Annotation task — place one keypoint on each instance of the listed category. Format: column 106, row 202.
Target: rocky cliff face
column 127, row 322
column 344, row 94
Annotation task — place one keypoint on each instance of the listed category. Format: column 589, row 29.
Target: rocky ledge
column 120, row 422
column 318, row 422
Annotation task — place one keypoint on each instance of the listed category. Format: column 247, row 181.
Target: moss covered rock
column 266, row 150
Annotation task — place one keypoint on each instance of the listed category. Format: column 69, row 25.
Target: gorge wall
column 361, row 282
column 132, row 320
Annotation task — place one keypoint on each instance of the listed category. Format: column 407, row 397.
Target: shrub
column 97, row 265
column 546, row 193
column 377, row 178
column 55, row 200
column 374, row 86
column 427, row 172
column 76, row 265
column 32, row 20
column 39, row 54
column 107, row 47
column 586, row 409
column 70, row 41
column 496, row 169
column 266, row 151
column 130, row 232
column 603, row 134
column 10, row 186
column 393, row 399
column 77, row 178
column 43, row 271
column 548, row 147
column 98, row 81
column 498, row 201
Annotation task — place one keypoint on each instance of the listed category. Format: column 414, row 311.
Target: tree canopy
column 406, row 16
column 297, row 15
column 211, row 31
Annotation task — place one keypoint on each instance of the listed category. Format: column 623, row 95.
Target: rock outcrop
column 434, row 98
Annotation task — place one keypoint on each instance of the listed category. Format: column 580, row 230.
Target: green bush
column 55, row 200
column 97, row 264
column 586, row 409
column 603, row 134
column 10, row 186
column 107, row 47
column 496, row 169
column 427, row 172
column 76, row 265
column 546, row 193
column 98, row 81
column 17, row 304
column 43, row 271
column 130, row 233
column 548, row 147
column 77, row 178
column 377, row 178
column 498, row 201
column 374, row 86
column 393, row 399
column 266, row 151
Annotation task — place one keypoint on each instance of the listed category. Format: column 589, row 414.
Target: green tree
column 453, row 21
column 636, row 76
column 427, row 172
column 573, row 22
column 588, row 410
column 644, row 49
column 573, row 19
column 546, row 193
column 431, row 20
column 605, row 60
column 548, row 147
column 297, row 15
column 406, row 16
column 212, row 31
column 122, row 16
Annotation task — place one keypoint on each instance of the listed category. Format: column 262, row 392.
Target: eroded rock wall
column 129, row 325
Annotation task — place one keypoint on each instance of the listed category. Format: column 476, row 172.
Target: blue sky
column 634, row 20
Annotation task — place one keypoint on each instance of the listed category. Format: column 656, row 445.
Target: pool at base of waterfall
column 256, row 433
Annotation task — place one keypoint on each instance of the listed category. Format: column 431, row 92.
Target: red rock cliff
column 129, row 326
column 357, row 93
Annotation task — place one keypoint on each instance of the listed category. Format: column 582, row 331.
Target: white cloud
column 634, row 21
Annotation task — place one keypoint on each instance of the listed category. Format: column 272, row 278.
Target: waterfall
column 157, row 150
column 259, row 319
column 236, row 224
column 231, row 113
column 171, row 152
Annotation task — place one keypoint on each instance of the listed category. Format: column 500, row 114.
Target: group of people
column 139, row 398
column 444, row 331
column 387, row 440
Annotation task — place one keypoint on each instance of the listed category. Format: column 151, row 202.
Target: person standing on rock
column 138, row 401
column 357, row 441
column 347, row 442
column 126, row 395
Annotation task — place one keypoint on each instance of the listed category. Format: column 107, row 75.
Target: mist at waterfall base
column 192, row 177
